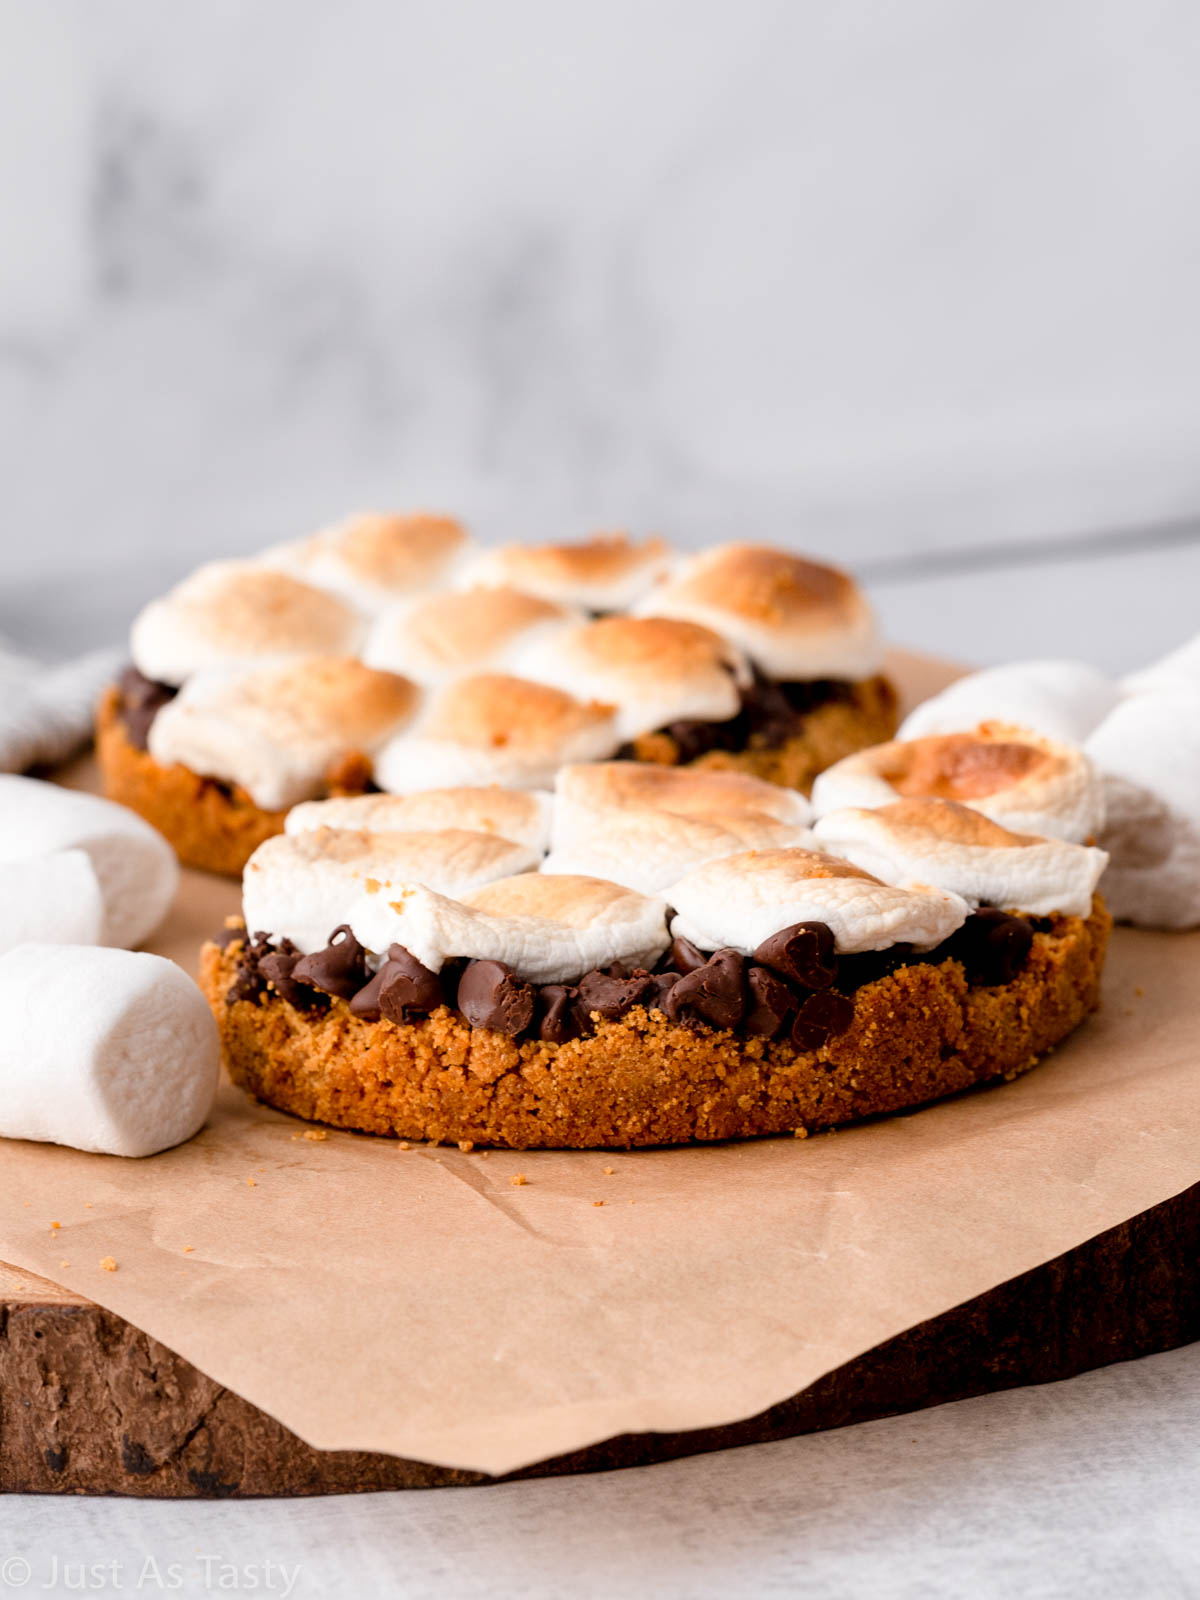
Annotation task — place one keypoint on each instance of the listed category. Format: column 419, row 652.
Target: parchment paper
column 421, row 1303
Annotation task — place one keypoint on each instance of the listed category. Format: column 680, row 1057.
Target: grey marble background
column 909, row 285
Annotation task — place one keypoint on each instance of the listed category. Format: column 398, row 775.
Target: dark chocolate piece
column 141, row 701
column 340, row 969
column 407, row 988
column 802, row 953
column 820, row 1017
column 683, row 956
column 714, row 993
column 612, row 995
column 491, row 996
column 867, row 965
column 560, row 1018
column 771, row 1003
column 248, row 983
column 992, row 946
column 278, row 969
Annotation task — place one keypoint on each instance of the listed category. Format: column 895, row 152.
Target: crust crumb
column 518, row 1179
column 108, row 1264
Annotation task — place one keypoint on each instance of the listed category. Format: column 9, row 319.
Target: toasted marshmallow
column 236, row 614
column 605, row 573
column 1149, row 752
column 376, row 558
column 741, row 900
column 655, row 670
column 686, row 791
column 548, row 930
column 645, row 825
column 1011, row 774
column 796, row 619
column 446, row 636
column 278, row 730
column 949, row 846
column 1063, row 700
column 494, row 729
column 522, row 815
column 303, row 886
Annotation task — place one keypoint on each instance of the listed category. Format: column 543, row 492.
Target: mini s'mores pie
column 230, row 752
column 236, row 614
column 654, row 670
column 448, row 636
column 491, row 728
column 949, row 846
column 375, row 559
column 607, row 572
column 522, row 815
column 1015, row 776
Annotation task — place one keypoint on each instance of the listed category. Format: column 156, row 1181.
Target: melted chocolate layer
column 141, row 701
column 771, row 714
column 794, row 983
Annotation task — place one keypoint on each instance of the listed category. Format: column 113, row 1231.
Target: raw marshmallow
column 548, row 929
column 495, row 729
column 797, row 619
column 645, row 826
column 605, row 573
column 948, row 846
column 741, row 900
column 1149, row 752
column 303, row 885
column 234, row 614
column 135, row 866
column 277, row 731
column 107, row 1050
column 50, row 900
column 1063, row 700
column 654, row 670
column 1015, row 776
column 519, row 814
column 376, row 558
column 449, row 635
column 1178, row 669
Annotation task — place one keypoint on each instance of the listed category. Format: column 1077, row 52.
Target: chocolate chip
column 408, row 988
column 802, row 953
column 228, row 936
column 278, row 970
column 992, row 946
column 820, row 1017
column 340, row 969
column 771, row 1003
column 248, row 982
column 683, row 956
column 614, row 997
column 713, row 993
column 560, row 1019
column 491, row 996
column 141, row 701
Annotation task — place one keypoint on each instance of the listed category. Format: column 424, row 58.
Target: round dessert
column 421, row 985
column 515, row 661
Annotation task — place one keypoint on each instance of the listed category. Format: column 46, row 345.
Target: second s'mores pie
column 227, row 755
column 813, row 644
column 770, row 990
column 1017, row 777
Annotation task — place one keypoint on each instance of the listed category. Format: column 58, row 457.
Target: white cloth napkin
column 46, row 712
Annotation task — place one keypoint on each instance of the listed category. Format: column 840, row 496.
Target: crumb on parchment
column 517, row 1179
column 108, row 1264
column 251, row 1183
column 188, row 1248
column 317, row 1135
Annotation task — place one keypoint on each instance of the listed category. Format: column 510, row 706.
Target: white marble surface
column 875, row 279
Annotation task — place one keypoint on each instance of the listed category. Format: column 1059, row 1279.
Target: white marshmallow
column 303, row 885
column 654, row 670
column 1177, row 669
column 277, row 731
column 741, row 900
column 135, row 866
column 1022, row 779
column 796, row 618
column 491, row 729
column 519, row 814
column 375, row 559
column 106, row 1050
column 237, row 614
column 949, row 846
column 1063, row 700
column 605, row 573
column 445, row 636
column 1149, row 751
column 52, row 899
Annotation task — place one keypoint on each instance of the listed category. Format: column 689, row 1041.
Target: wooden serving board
column 88, row 1404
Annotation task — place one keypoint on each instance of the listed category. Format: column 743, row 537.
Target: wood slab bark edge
column 90, row 1405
